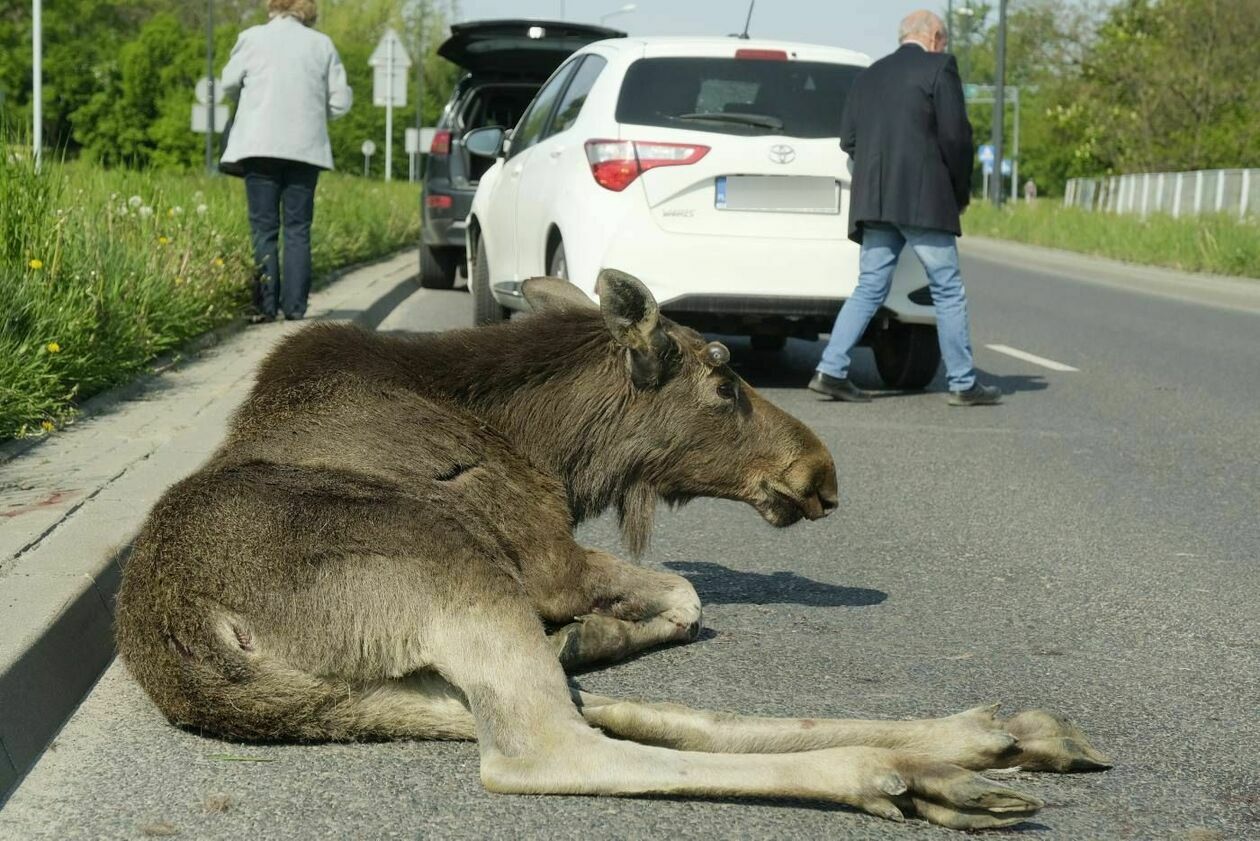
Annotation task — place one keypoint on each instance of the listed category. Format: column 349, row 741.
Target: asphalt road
column 1090, row 546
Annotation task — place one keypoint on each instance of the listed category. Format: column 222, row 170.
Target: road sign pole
column 389, row 109
column 210, row 100
column 37, row 81
column 999, row 104
column 1015, row 143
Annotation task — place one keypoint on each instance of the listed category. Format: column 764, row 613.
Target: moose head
column 679, row 422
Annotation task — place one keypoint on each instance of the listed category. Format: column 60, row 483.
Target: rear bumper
column 752, row 279
column 444, row 227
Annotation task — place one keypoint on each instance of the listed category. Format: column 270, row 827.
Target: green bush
column 1217, row 244
column 101, row 271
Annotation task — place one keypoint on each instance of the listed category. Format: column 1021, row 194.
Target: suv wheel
column 907, row 355
column 486, row 310
column 438, row 267
column 557, row 265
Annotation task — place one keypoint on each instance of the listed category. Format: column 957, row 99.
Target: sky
column 862, row 25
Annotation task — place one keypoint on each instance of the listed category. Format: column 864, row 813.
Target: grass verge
column 103, row 270
column 1216, row 244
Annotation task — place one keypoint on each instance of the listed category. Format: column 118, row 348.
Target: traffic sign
column 368, row 148
column 203, row 90
column 986, row 155
column 201, row 120
column 389, row 64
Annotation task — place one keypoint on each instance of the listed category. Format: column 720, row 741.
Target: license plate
column 777, row 193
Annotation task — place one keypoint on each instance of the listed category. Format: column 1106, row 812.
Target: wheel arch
column 554, row 238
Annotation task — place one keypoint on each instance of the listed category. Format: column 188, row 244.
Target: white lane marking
column 1028, row 357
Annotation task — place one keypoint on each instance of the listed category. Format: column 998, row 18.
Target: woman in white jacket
column 289, row 82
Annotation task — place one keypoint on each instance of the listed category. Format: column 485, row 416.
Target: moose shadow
column 716, row 584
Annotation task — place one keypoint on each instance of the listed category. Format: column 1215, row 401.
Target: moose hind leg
column 619, row 608
column 976, row 738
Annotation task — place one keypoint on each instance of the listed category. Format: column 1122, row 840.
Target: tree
column 1172, row 85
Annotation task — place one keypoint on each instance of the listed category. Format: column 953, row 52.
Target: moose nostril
column 829, row 503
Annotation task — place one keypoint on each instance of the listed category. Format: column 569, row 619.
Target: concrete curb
column 57, row 589
column 1233, row 293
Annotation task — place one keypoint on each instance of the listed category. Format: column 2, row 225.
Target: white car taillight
column 616, row 163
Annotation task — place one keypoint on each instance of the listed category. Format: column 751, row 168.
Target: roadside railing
column 1232, row 191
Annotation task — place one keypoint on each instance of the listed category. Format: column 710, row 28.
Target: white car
column 709, row 168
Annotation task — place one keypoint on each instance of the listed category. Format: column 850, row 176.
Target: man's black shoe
column 838, row 389
column 260, row 318
column 977, row 395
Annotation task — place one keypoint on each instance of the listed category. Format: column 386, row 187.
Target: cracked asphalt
column 1088, row 546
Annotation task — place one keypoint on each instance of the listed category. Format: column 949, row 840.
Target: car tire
column 438, row 267
column 767, row 343
column 486, row 310
column 907, row 355
column 557, row 264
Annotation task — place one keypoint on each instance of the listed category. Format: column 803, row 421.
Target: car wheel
column 438, row 267
column 557, row 265
column 907, row 355
column 486, row 310
column 768, row 343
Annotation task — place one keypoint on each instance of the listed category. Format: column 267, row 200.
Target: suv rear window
column 737, row 96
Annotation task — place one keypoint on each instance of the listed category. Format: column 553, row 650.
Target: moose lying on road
column 375, row 551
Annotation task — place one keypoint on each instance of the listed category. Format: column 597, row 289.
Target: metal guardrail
column 1232, row 191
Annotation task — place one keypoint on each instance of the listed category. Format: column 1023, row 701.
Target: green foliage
column 119, row 74
column 1216, row 244
column 101, row 270
column 1140, row 85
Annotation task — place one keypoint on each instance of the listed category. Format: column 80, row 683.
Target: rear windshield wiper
column 758, row 120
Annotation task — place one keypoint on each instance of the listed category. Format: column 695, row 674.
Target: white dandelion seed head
column 135, row 201
column 202, row 209
column 146, row 211
column 177, row 210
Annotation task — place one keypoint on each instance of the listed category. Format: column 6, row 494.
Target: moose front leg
column 618, row 608
column 1034, row 739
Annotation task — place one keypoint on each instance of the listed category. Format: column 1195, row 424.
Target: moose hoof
column 1050, row 742
column 896, row 786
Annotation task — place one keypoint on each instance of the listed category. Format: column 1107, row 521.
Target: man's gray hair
column 920, row 24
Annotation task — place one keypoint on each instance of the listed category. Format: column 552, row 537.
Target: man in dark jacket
column 905, row 126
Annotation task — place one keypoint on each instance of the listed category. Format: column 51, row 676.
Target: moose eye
column 726, row 390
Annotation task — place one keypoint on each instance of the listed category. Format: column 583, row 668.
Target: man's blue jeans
column 279, row 190
column 938, row 252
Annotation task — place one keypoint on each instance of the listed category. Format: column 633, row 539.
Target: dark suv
column 505, row 62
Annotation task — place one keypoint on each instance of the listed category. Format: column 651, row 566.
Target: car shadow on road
column 717, row 584
column 793, row 366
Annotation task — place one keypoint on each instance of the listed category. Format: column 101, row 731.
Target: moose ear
column 553, row 294
column 629, row 309
column 633, row 318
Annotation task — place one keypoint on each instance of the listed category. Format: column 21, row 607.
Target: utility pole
column 999, row 106
column 210, row 100
column 37, row 80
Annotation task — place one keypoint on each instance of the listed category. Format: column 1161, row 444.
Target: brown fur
column 376, row 549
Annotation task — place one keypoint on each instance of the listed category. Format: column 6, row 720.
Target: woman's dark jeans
column 279, row 190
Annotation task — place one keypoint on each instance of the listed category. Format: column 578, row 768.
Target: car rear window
column 737, row 96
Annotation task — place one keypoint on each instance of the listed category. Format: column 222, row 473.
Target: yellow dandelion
column 53, row 347
column 179, row 281
column 164, row 240
column 218, row 262
column 47, row 426
column 36, row 264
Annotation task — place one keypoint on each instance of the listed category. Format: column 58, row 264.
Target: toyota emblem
column 781, row 153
